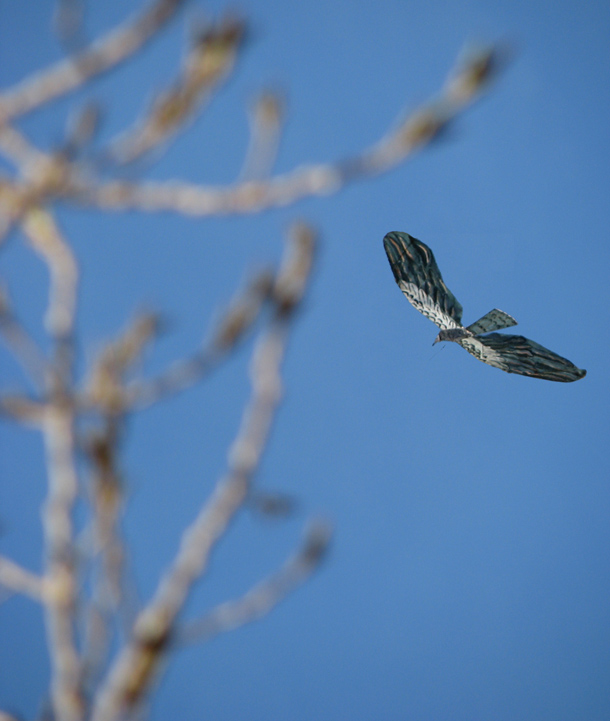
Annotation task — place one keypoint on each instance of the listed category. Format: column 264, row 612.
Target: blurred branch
column 422, row 127
column 134, row 670
column 272, row 504
column 104, row 54
column 18, row 149
column 83, row 682
column 7, row 717
column 235, row 323
column 105, row 388
column 23, row 410
column 44, row 235
column 69, row 23
column 261, row 599
column 17, row 579
column 266, row 117
column 82, row 127
column 10, row 207
column 21, row 344
column 209, row 63
column 58, row 430
column 108, row 551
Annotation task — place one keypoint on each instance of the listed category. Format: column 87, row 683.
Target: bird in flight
column 417, row 275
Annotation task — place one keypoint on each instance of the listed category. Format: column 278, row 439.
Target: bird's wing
column 419, row 278
column 516, row 354
column 494, row 320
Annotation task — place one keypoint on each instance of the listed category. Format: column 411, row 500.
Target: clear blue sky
column 469, row 578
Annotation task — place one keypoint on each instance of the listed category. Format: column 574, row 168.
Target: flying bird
column 417, row 275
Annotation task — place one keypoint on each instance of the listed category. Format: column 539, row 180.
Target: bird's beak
column 436, row 340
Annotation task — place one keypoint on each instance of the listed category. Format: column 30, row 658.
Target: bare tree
column 85, row 417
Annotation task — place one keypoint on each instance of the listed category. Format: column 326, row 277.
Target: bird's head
column 453, row 334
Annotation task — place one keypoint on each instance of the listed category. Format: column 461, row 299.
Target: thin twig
column 81, row 129
column 69, row 24
column 263, row 597
column 105, row 388
column 23, row 410
column 208, row 65
column 22, row 345
column 104, row 54
column 12, row 205
column 46, row 239
column 236, row 321
column 42, row 175
column 7, row 221
column 7, row 717
column 266, row 117
column 15, row 147
column 108, row 548
column 15, row 578
column 135, row 668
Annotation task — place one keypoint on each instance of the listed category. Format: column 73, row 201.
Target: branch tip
column 295, row 269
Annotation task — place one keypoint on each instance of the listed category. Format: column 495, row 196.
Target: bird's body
column 453, row 334
column 417, row 275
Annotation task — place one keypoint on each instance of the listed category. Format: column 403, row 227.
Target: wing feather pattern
column 516, row 354
column 417, row 275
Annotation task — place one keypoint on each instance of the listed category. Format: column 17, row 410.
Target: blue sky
column 469, row 575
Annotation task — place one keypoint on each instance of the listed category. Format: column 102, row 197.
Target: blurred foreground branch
column 261, row 599
column 135, row 668
column 419, row 129
column 104, row 54
column 106, row 652
column 47, row 177
column 16, row 579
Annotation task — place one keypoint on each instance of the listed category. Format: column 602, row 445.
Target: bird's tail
column 494, row 320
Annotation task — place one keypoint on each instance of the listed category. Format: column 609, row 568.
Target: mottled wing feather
column 417, row 275
column 516, row 354
column 494, row 320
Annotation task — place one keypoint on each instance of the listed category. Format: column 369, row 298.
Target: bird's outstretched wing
column 516, row 354
column 494, row 320
column 419, row 278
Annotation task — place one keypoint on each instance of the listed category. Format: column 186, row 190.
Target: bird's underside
column 417, row 275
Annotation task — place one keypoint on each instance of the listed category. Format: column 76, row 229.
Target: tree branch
column 66, row 691
column 24, row 348
column 104, row 54
column 235, row 323
column 108, row 549
column 59, row 436
column 15, row 146
column 134, row 670
column 17, row 579
column 263, row 597
column 209, row 63
column 46, row 239
column 423, row 126
column 266, row 117
column 7, row 717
